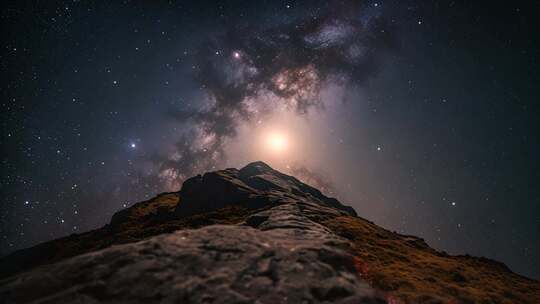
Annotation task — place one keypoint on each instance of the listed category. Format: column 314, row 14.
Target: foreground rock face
column 252, row 235
column 277, row 256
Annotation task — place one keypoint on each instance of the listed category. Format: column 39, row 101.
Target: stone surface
column 277, row 256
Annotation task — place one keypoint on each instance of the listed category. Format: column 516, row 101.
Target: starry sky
column 422, row 115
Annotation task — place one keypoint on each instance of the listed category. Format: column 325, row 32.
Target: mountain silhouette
column 253, row 235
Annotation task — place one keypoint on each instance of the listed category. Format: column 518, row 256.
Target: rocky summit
column 253, row 235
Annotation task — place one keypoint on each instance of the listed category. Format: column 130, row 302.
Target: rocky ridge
column 253, row 235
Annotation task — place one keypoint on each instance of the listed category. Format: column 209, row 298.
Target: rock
column 253, row 235
column 287, row 259
column 254, row 186
column 212, row 191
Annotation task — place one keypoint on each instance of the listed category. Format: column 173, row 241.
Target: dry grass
column 412, row 272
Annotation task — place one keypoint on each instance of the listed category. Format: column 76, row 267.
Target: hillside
column 254, row 234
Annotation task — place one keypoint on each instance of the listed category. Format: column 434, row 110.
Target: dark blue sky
column 438, row 135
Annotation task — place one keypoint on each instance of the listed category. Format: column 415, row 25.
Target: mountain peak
column 254, row 186
column 245, row 236
column 257, row 166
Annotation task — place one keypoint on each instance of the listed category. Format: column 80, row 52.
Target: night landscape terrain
column 269, row 152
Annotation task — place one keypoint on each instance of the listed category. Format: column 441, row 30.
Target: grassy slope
column 412, row 272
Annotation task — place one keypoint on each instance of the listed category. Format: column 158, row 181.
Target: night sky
column 422, row 115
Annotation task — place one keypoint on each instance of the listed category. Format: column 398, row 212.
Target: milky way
column 289, row 63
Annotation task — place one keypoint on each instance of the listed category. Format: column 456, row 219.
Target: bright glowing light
column 277, row 142
column 133, row 145
column 236, row 55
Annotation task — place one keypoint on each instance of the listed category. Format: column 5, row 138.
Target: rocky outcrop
column 276, row 256
column 253, row 235
column 254, row 186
